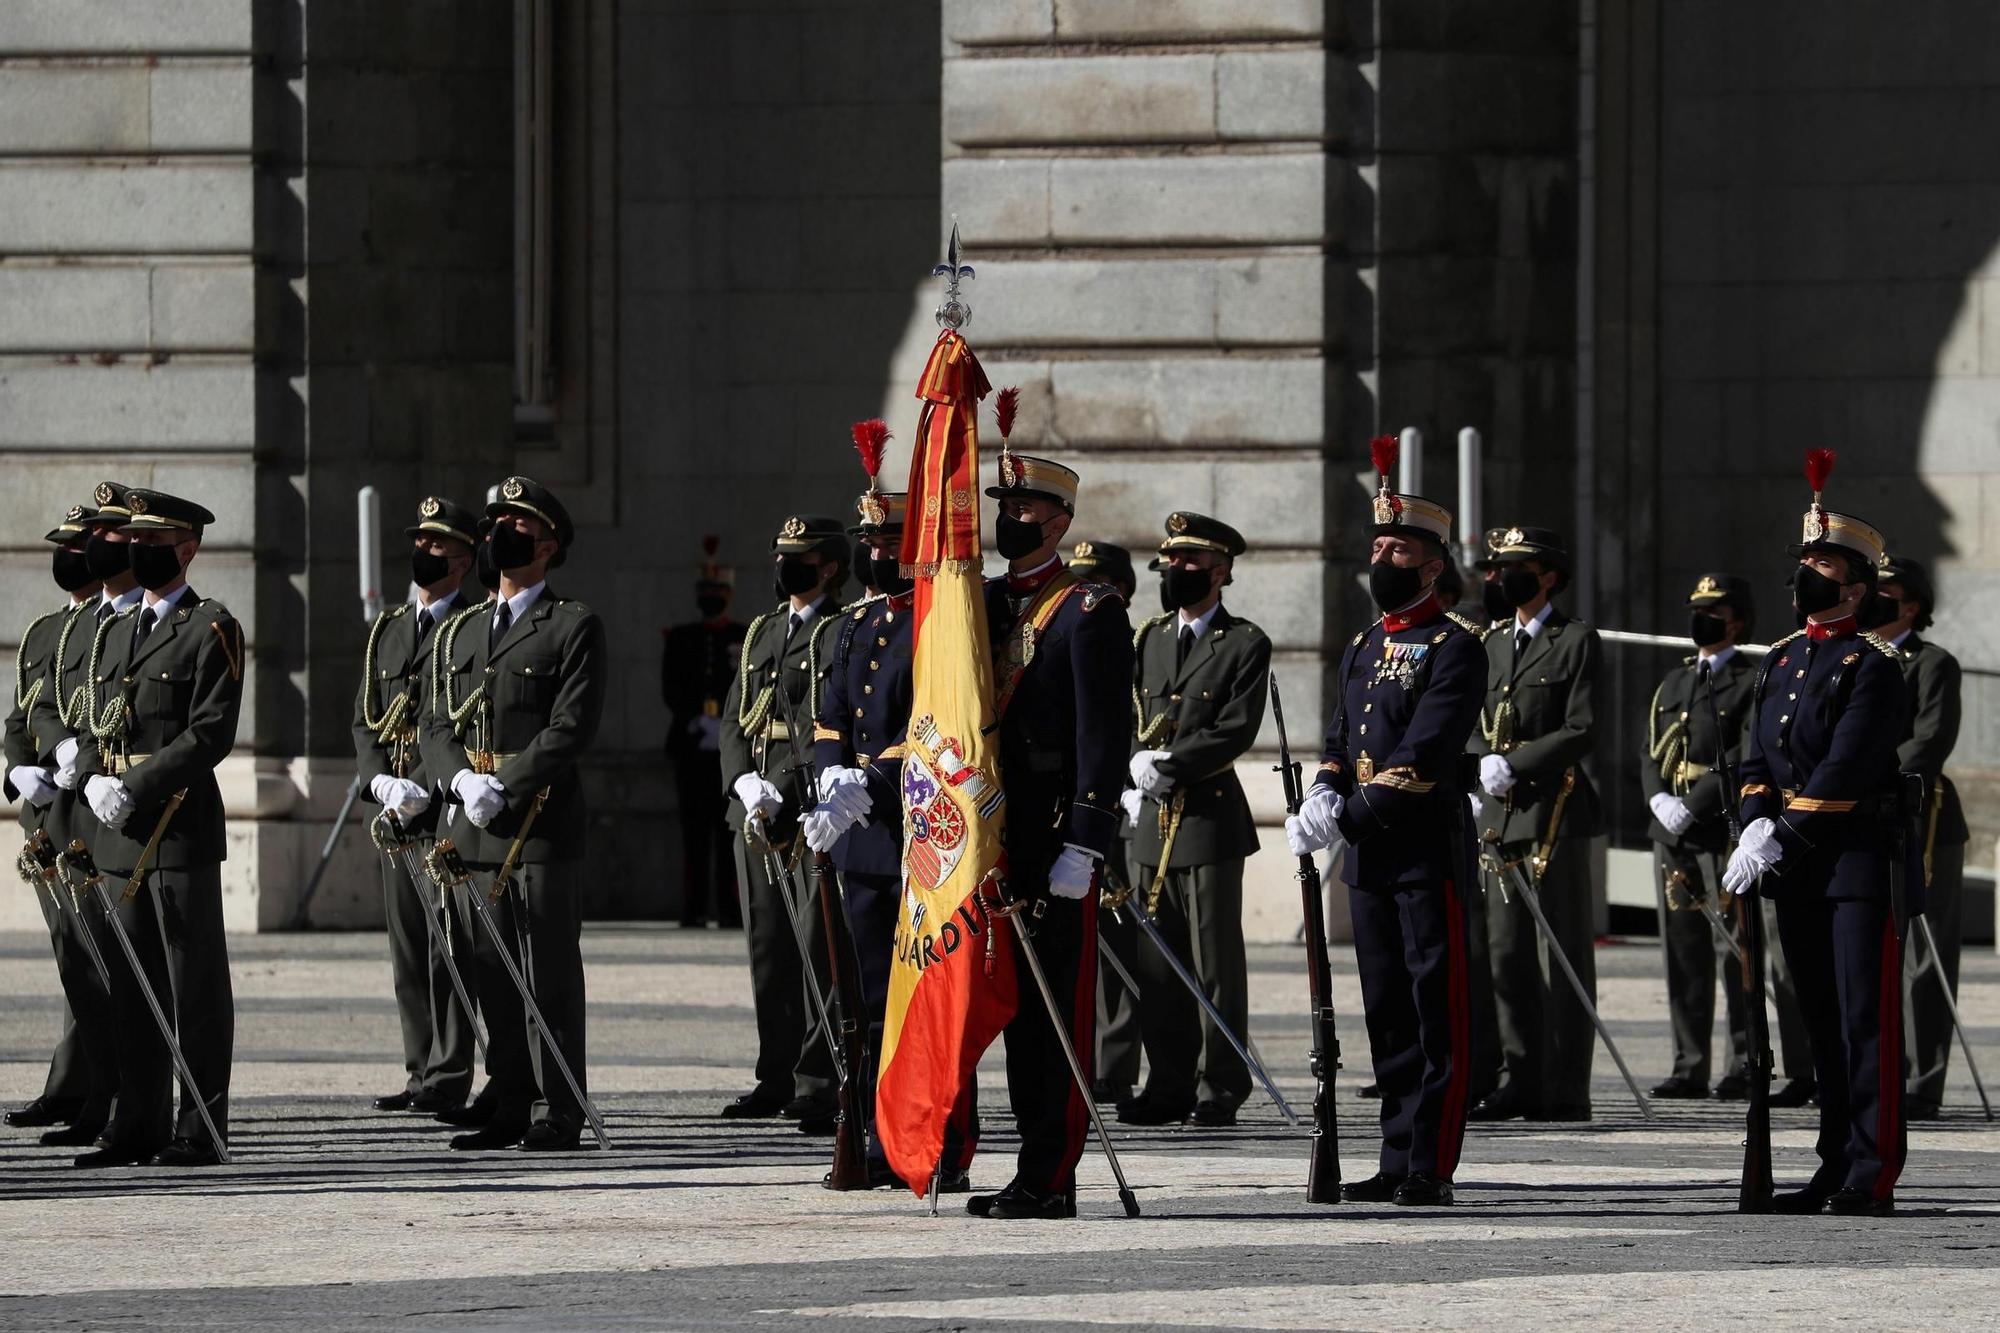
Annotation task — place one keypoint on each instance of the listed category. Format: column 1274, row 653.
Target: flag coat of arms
column 952, row 985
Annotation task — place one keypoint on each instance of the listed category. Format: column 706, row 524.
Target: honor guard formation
column 958, row 809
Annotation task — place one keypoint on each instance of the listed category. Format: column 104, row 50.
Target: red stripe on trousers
column 1889, row 1063
column 1458, row 1004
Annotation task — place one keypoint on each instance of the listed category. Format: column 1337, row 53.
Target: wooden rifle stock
column 1754, row 1193
column 1323, row 1166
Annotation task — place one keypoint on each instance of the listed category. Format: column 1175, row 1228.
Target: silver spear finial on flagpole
column 954, row 312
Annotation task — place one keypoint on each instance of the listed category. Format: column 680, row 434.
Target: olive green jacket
column 1540, row 713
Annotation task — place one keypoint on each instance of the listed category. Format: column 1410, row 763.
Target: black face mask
column 1016, row 537
column 1520, row 586
column 1706, row 630
column 710, row 604
column 72, row 569
column 1393, row 585
column 1493, row 601
column 427, row 567
column 483, row 567
column 1182, row 588
column 795, row 577
column 108, row 559
column 511, row 547
column 886, row 572
column 1876, row 611
column 1813, row 592
column 154, row 566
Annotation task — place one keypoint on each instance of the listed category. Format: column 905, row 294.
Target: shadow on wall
column 778, row 198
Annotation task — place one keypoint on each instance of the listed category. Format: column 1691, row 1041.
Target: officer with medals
column 1933, row 677
column 1062, row 679
column 697, row 662
column 1538, row 810
column 859, row 741
column 517, row 695
column 1681, row 775
column 1118, row 1039
column 438, row 1047
column 165, row 689
column 1200, row 682
column 1826, row 833
column 767, row 728
column 83, row 1071
column 1389, row 785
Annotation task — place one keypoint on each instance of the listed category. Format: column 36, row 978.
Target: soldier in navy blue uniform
column 858, row 747
column 1822, row 816
column 1062, row 676
column 1389, row 784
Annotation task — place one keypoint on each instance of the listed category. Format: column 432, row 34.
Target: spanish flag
column 952, row 986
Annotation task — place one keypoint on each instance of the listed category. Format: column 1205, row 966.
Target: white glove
column 66, row 763
column 1146, row 775
column 823, row 830
column 1496, row 775
column 843, row 792
column 483, row 796
column 1758, row 851
column 1672, row 812
column 1478, row 806
column 1074, row 874
column 406, row 798
column 1133, row 800
column 109, row 801
column 33, row 783
column 710, row 730
column 1316, row 824
column 760, row 799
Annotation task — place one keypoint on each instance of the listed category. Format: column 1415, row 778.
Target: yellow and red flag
column 952, row 986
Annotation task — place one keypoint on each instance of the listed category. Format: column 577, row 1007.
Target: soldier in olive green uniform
column 438, row 1047
column 515, row 701
column 1933, row 677
column 1118, row 1042
column 1540, row 810
column 83, row 1071
column 767, row 731
column 1199, row 683
column 165, row 692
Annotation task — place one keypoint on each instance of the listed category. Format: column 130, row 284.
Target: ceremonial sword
column 39, row 858
column 389, row 836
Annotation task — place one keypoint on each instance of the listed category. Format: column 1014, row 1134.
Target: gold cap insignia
column 1083, row 551
column 430, row 507
column 1815, row 529
column 74, row 515
column 873, row 510
column 795, row 528
column 1387, row 508
column 1010, row 472
column 512, row 489
column 104, row 494
column 1707, row 585
column 136, row 503
column 1176, row 523
column 1513, row 537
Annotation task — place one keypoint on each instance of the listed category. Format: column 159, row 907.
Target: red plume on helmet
column 1819, row 466
column 1383, row 450
column 871, row 441
column 1005, row 405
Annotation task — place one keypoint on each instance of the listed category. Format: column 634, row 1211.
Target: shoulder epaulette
column 1364, row 633
column 1795, row 634
column 1477, row 631
column 1880, row 645
column 1094, row 595
column 1151, row 622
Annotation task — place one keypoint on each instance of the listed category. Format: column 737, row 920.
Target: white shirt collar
column 166, row 604
column 1717, row 659
column 439, row 607
column 810, row 613
column 1534, row 627
column 518, row 604
column 129, row 598
column 1200, row 624
column 1897, row 642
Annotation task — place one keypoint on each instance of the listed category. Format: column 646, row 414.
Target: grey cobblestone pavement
column 339, row 1217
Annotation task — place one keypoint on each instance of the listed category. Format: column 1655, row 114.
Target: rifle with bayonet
column 1753, row 1195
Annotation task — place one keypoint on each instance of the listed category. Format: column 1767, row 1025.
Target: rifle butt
column 1754, row 1195
column 1323, row 1163
column 850, row 1158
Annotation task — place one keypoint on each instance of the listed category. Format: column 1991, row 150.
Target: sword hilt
column 446, row 866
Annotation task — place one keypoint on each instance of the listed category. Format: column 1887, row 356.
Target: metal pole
column 1410, row 462
column 369, row 555
column 1951, row 1004
column 302, row 918
column 1470, row 506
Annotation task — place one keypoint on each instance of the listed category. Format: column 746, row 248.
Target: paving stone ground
column 344, row 1218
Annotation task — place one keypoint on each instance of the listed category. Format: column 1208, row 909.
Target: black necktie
column 1521, row 637
column 105, row 611
column 503, row 616
column 147, row 619
column 1186, row 646
column 424, row 625
column 791, row 628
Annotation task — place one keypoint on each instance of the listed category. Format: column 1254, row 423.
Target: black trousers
column 1927, row 1031
column 1547, row 1040
column 438, row 1049
column 792, row 1058
column 83, row 1068
column 1049, row 1111
column 1848, row 962
column 1695, row 955
column 1412, row 946
column 189, row 975
column 1200, row 918
column 708, row 869
column 1118, row 1037
column 870, row 902
column 540, row 923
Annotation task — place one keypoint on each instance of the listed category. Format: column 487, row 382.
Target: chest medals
column 1399, row 664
